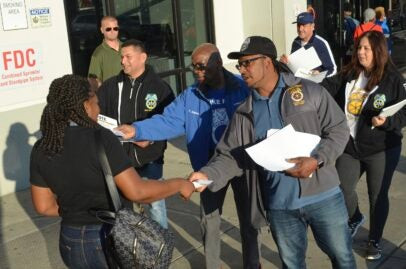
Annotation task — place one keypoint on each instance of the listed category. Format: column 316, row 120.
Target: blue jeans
column 157, row 210
column 81, row 247
column 328, row 220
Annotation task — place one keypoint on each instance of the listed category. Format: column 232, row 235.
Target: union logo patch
column 151, row 101
column 379, row 101
column 296, row 95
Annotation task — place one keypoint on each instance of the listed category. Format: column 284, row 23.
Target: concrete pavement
column 28, row 240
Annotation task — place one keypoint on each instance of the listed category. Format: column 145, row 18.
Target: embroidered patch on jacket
column 296, row 95
column 379, row 101
column 151, row 101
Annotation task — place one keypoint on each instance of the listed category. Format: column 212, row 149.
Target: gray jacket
column 310, row 109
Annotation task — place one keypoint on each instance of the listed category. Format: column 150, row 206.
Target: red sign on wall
column 20, row 67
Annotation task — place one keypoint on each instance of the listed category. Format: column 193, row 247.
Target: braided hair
column 64, row 104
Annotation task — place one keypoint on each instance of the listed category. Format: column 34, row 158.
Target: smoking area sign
column 13, row 14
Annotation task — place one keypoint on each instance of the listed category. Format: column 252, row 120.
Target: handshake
column 199, row 182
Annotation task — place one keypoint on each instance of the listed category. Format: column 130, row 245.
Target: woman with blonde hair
column 383, row 22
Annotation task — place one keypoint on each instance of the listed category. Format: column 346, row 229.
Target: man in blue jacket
column 202, row 112
column 307, row 38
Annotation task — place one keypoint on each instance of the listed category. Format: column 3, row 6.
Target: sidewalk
column 28, row 240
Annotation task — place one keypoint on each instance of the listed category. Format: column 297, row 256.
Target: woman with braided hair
column 66, row 176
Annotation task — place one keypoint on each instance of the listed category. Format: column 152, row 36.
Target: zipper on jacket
column 284, row 125
column 135, row 116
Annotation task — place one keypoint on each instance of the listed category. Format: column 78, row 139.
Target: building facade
column 42, row 40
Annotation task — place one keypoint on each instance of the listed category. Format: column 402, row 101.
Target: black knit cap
column 255, row 45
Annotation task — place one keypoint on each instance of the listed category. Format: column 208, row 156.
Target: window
column 170, row 29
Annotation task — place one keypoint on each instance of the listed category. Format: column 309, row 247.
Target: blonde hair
column 380, row 12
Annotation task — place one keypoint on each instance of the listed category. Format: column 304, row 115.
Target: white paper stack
column 280, row 145
column 303, row 61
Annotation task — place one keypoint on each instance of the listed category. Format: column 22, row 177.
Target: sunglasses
column 197, row 67
column 108, row 29
column 246, row 63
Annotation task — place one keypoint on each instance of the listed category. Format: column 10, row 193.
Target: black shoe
column 373, row 251
column 354, row 225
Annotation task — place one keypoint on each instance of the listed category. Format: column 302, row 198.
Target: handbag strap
column 115, row 198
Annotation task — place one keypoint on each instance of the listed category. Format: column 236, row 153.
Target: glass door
column 170, row 29
column 83, row 19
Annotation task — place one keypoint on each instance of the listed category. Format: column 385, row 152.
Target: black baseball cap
column 255, row 45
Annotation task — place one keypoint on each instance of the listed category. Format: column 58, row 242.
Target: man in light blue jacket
column 202, row 113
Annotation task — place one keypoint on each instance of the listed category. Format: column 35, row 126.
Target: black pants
column 379, row 169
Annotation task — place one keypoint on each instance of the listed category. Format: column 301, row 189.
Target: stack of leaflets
column 111, row 124
column 303, row 61
column 281, row 145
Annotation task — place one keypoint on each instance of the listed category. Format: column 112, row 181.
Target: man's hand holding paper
column 200, row 180
column 128, row 131
column 303, row 62
column 304, row 167
column 284, row 144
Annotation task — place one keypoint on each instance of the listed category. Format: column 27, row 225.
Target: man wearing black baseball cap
column 309, row 192
column 307, row 38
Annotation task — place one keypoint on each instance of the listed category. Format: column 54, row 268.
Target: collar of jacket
column 246, row 107
column 146, row 75
column 298, row 40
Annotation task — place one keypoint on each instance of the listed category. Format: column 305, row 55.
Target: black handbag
column 132, row 240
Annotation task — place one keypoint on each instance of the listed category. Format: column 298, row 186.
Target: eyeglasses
column 197, row 67
column 246, row 63
column 108, row 29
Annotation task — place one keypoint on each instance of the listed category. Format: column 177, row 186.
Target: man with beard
column 202, row 112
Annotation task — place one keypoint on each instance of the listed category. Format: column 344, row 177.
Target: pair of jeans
column 81, row 246
column 157, row 209
column 211, row 206
column 379, row 169
column 328, row 220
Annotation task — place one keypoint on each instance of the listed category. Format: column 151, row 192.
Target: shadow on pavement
column 16, row 161
column 184, row 219
column 389, row 250
column 179, row 143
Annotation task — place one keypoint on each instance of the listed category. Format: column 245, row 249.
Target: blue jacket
column 190, row 114
column 386, row 32
column 323, row 51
